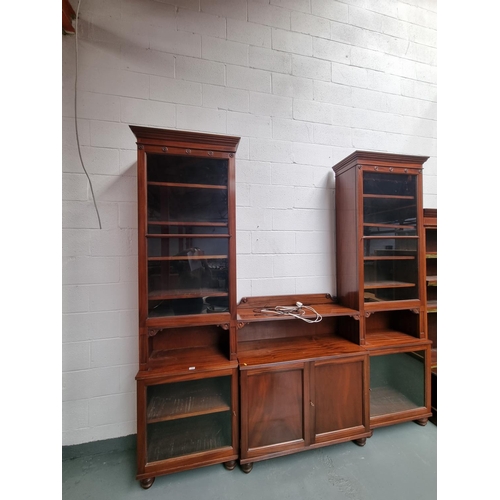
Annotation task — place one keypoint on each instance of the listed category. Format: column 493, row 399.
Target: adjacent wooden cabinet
column 381, row 273
column 187, row 384
column 430, row 225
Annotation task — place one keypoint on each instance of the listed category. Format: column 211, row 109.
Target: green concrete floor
column 397, row 463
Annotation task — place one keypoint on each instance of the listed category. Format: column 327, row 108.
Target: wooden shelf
column 370, row 285
column 187, row 224
column 187, row 258
column 186, row 294
column 389, row 226
column 387, row 400
column 387, row 338
column 187, row 235
column 281, row 350
column 325, row 310
column 178, row 438
column 389, row 196
column 390, row 257
column 186, row 185
column 188, row 399
column 187, row 360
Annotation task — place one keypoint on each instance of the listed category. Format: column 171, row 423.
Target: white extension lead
column 297, row 311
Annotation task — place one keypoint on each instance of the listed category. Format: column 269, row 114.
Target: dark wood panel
column 275, row 407
column 338, row 401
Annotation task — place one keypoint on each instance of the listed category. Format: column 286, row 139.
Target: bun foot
column 147, row 483
column 360, row 442
column 246, row 468
column 422, row 421
column 230, row 465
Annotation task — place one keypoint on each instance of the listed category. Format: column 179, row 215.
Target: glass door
column 187, row 235
column 188, row 417
column 390, row 237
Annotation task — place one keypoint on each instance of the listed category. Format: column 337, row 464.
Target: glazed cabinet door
column 390, row 236
column 272, row 410
column 339, row 399
column 187, row 234
column 186, row 422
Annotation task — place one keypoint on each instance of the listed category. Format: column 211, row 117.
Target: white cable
column 76, row 121
column 296, row 311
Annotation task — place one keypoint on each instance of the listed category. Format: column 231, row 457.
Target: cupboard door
column 339, row 398
column 272, row 409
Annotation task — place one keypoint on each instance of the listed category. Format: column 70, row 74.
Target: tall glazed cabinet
column 381, row 273
column 187, row 383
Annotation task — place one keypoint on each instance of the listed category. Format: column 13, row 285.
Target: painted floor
column 397, row 463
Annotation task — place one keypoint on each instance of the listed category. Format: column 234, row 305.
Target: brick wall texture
column 303, row 82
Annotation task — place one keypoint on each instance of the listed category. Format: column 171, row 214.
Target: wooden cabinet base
column 230, row 465
column 360, row 442
column 147, row 483
column 247, row 468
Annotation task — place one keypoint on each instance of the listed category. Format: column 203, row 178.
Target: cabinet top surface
column 182, row 138
column 298, row 349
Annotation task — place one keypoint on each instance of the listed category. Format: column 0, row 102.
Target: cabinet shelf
column 280, row 350
column 187, row 258
column 187, row 224
column 391, row 236
column 188, row 399
column 388, row 338
column 186, row 185
column 186, row 235
column 187, row 360
column 388, row 400
column 371, row 285
column 325, row 310
column 431, row 280
column 186, row 294
column 389, row 196
column 177, row 438
column 390, row 257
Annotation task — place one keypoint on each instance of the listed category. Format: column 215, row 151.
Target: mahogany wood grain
column 182, row 358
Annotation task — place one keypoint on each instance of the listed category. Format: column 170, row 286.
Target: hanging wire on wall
column 76, row 119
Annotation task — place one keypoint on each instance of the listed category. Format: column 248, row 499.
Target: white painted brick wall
column 302, row 82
